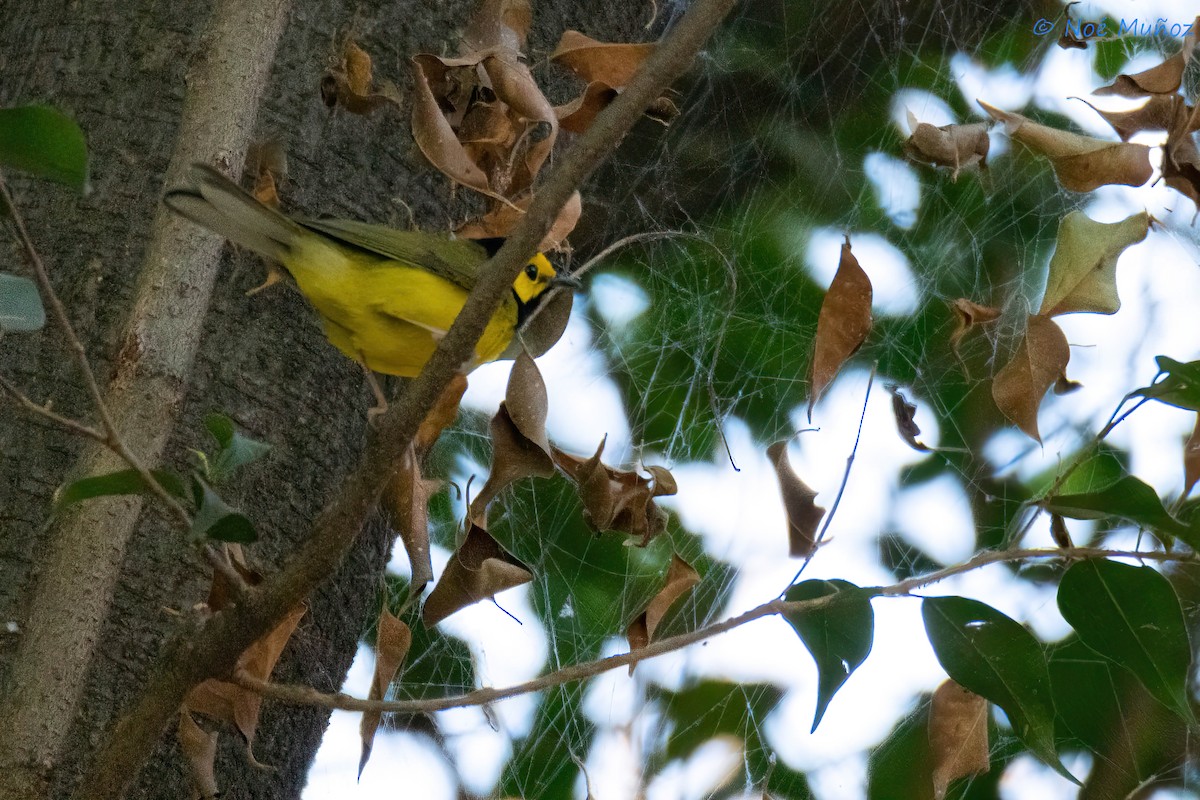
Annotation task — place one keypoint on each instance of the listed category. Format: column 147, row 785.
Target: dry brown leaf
column 479, row 569
column 802, row 513
column 1191, row 460
column 618, row 500
column 220, row 592
column 577, row 115
column 1154, row 115
column 434, row 134
column 1181, row 160
column 953, row 146
column 442, row 415
column 513, row 458
column 904, row 412
column 350, row 84
column 498, row 24
column 527, row 403
column 967, row 315
column 515, row 86
column 1082, row 163
column 1040, row 360
column 200, row 750
column 231, row 703
column 1162, row 78
column 406, row 501
column 842, row 325
column 1059, row 532
column 545, row 327
column 392, row 640
column 1083, row 269
column 612, row 64
column 681, row 577
column 499, row 222
column 958, row 735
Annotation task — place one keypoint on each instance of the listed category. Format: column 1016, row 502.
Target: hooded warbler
column 385, row 296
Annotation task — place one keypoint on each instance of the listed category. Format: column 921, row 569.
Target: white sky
column 740, row 518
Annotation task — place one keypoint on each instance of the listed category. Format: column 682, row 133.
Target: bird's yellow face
column 536, row 278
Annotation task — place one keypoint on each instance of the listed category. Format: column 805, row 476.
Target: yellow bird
column 385, row 297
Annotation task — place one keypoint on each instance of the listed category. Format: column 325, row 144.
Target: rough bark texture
column 119, row 69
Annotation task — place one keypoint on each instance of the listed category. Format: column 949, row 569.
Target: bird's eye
column 531, row 272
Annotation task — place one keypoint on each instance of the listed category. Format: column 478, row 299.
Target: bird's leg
column 381, row 403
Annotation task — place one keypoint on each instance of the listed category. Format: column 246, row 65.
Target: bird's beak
column 566, row 279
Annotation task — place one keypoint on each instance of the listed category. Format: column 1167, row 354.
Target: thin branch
column 215, row 648
column 74, row 426
column 837, row 501
column 306, row 695
column 1079, row 458
column 111, row 438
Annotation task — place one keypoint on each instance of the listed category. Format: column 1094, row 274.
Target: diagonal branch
column 214, row 650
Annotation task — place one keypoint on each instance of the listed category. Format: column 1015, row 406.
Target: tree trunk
column 119, row 69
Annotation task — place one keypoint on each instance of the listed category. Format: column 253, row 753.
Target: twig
column 111, row 438
column 1080, row 457
column 837, row 501
column 306, row 695
column 74, row 426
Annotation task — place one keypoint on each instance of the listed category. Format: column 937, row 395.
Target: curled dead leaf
column 1162, row 78
column 1038, row 363
column 479, row 569
column 513, row 457
column 1059, row 532
column 229, row 702
column 958, row 735
column 803, row 514
column 577, row 115
column 618, row 500
column 953, row 146
column 968, row 314
column 842, row 325
column 406, row 502
column 1181, row 159
column 1083, row 269
column 1082, row 163
column 498, row 24
column 1154, row 115
column 500, row 221
column 392, row 641
column 434, row 134
column 442, row 415
column 903, row 412
column 350, row 84
column 592, row 60
column 681, row 577
column 200, row 751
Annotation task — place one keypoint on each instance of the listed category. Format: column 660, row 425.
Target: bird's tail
column 223, row 207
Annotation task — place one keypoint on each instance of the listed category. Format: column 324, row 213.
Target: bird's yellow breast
column 383, row 313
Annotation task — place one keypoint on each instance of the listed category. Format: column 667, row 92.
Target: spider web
column 691, row 351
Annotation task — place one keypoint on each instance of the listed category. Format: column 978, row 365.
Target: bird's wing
column 456, row 260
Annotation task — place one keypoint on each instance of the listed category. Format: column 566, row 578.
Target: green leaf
column 838, row 635
column 1128, row 498
column 1132, row 616
column 215, row 519
column 234, row 449
column 44, row 142
column 994, row 656
column 20, row 305
column 1180, row 387
column 125, row 481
